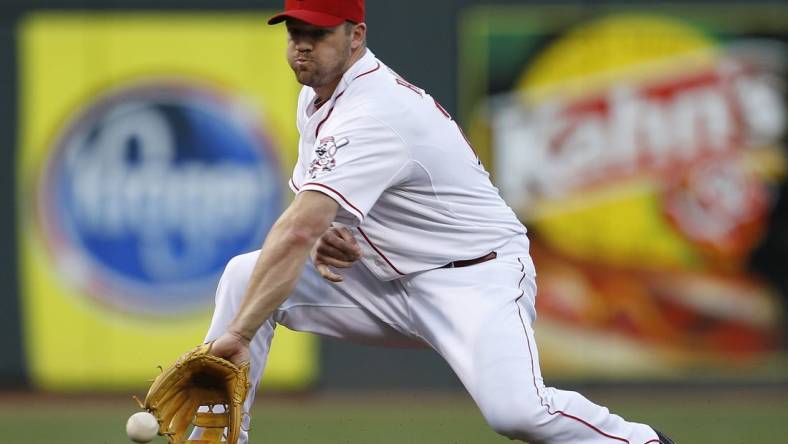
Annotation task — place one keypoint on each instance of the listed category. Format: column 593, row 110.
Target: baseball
column 142, row 427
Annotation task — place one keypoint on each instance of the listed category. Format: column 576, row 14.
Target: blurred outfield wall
column 152, row 155
column 642, row 145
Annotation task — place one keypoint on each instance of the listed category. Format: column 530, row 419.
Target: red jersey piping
column 379, row 252
column 319, row 125
column 533, row 372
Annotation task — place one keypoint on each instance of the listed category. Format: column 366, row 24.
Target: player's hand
column 336, row 248
column 232, row 347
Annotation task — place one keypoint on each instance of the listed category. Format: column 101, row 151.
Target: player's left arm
column 277, row 270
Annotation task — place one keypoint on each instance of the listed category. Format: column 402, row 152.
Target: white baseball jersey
column 403, row 173
column 410, row 186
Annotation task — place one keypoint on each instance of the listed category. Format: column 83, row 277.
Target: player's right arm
column 277, row 270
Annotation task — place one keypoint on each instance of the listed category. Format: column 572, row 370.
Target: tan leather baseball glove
column 199, row 379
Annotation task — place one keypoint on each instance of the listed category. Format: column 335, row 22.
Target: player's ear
column 358, row 36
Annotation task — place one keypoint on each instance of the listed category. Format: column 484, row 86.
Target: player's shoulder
column 381, row 93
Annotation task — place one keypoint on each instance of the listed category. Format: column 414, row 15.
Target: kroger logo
column 152, row 190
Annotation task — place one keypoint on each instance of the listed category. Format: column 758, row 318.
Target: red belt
column 457, row 264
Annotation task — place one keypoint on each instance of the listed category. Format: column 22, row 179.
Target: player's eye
column 318, row 34
column 313, row 34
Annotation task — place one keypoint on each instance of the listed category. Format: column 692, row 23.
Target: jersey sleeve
column 355, row 163
column 298, row 171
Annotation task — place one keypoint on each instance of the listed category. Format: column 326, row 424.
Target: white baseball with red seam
column 142, row 427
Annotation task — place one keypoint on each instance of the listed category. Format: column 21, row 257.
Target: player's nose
column 302, row 45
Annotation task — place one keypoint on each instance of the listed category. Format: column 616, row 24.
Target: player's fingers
column 345, row 234
column 328, row 274
column 341, row 239
column 330, row 250
column 333, row 238
column 333, row 261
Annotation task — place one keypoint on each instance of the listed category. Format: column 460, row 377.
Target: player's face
column 318, row 56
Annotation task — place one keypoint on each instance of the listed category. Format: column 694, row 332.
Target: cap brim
column 313, row 18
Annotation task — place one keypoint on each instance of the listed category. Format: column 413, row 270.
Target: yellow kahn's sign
column 641, row 151
column 588, row 61
column 153, row 148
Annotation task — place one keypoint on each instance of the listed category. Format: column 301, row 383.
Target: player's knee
column 240, row 267
column 515, row 419
column 236, row 276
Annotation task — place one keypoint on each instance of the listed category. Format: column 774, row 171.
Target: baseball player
column 396, row 237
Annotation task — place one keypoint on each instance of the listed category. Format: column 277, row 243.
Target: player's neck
column 326, row 91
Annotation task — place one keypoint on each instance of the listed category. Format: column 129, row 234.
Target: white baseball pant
column 477, row 317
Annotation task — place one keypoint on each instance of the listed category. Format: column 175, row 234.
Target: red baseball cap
column 322, row 13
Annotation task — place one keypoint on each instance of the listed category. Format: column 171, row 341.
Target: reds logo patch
column 324, row 155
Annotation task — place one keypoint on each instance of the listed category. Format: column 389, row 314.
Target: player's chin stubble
column 305, row 74
column 314, row 76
